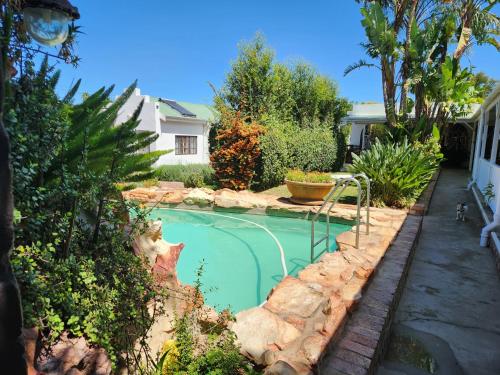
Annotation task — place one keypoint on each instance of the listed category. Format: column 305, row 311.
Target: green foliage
column 74, row 261
column 312, row 177
column 342, row 136
column 95, row 297
column 276, row 154
column 202, row 351
column 314, row 150
column 299, row 107
column 418, row 46
column 489, row 192
column 248, row 88
column 285, row 146
column 259, row 87
column 192, row 175
column 399, row 172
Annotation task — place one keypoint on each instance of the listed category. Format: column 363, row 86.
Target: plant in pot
column 308, row 188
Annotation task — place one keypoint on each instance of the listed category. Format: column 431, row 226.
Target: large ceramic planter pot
column 308, row 193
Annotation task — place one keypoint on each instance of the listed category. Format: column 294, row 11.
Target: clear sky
column 174, row 48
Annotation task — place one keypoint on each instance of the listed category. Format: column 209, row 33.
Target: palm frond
column 358, row 65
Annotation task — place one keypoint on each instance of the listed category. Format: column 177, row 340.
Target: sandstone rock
column 74, row 356
column 173, row 196
column 258, row 329
column 30, row 336
column 199, row 197
column 165, row 185
column 320, row 274
column 336, row 315
column 294, row 297
column 313, row 346
column 352, row 292
column 281, row 368
column 161, row 255
column 227, row 198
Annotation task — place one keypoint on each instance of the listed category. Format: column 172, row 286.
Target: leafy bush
column 285, row 146
column 399, row 171
column 73, row 259
column 235, row 158
column 342, row 139
column 312, row 177
column 192, row 175
column 313, row 149
column 95, row 297
column 199, row 349
column 275, row 145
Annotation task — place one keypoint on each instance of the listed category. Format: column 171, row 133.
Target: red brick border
column 422, row 206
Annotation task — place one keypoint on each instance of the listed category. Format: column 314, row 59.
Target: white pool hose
column 282, row 252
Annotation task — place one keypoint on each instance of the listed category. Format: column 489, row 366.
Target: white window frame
column 186, row 136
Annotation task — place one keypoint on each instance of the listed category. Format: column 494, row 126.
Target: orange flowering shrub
column 235, row 158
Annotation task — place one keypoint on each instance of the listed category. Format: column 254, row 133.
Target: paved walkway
column 452, row 294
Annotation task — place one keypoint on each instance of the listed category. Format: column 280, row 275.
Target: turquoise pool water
column 241, row 260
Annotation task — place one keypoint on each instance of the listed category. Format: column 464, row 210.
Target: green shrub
column 313, row 149
column 399, row 172
column 275, row 160
column 192, row 175
column 285, row 146
column 342, row 138
column 313, row 177
column 103, row 298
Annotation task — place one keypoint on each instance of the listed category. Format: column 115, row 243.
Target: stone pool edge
column 302, row 316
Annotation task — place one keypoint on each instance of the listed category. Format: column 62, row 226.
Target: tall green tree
column 410, row 40
column 258, row 87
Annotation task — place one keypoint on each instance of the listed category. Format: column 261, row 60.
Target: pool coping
column 363, row 342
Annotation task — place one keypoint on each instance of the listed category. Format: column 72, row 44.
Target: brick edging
column 365, row 337
column 421, row 207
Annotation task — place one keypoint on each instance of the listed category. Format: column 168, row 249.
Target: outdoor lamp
column 47, row 21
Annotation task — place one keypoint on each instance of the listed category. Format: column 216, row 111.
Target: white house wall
column 487, row 171
column 166, row 141
column 356, row 130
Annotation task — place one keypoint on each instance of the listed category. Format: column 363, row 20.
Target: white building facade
column 182, row 127
column 486, row 164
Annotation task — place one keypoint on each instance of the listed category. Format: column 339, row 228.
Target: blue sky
column 174, row 48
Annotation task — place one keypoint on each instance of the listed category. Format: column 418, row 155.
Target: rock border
column 304, row 315
column 366, row 335
column 364, row 341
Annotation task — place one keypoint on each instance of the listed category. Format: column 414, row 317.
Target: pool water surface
column 241, row 260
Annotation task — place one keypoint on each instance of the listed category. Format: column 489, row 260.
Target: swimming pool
column 240, row 252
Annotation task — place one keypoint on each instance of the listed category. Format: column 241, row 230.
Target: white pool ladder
column 331, row 199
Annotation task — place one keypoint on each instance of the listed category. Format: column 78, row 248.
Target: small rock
column 313, row 346
column 199, row 197
column 228, row 198
column 258, row 329
column 293, row 296
column 281, row 368
column 165, row 185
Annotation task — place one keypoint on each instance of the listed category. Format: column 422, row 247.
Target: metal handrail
column 368, row 192
column 343, row 182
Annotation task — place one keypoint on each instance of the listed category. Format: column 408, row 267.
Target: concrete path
column 453, row 289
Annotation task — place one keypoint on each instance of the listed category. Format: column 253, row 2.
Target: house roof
column 489, row 99
column 370, row 113
column 202, row 112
